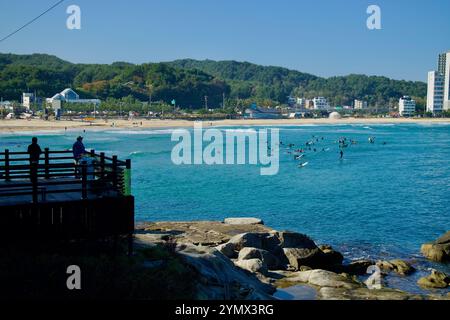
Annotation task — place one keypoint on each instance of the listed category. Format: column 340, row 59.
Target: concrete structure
column 255, row 112
column 435, row 92
column 68, row 96
column 320, row 103
column 360, row 104
column 28, row 99
column 335, row 115
column 406, row 106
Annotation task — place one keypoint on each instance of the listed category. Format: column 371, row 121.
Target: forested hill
column 188, row 81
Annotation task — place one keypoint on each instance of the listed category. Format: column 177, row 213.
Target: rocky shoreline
column 241, row 258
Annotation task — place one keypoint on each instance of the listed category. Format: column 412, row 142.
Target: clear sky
column 322, row 37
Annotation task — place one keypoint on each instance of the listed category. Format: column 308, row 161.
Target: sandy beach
column 42, row 125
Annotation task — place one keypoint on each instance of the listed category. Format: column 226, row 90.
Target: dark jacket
column 34, row 151
column 78, row 149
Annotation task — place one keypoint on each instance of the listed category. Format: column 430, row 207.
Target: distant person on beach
column 78, row 149
column 34, row 150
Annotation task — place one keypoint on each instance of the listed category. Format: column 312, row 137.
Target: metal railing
column 57, row 172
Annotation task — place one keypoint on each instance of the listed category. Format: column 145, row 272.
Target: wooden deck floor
column 48, row 190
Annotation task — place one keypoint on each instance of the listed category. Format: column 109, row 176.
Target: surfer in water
column 342, row 154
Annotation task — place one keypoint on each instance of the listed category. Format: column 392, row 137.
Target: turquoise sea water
column 381, row 201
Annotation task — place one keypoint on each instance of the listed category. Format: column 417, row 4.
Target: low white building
column 28, row 99
column 435, row 92
column 69, row 96
column 320, row 103
column 406, row 106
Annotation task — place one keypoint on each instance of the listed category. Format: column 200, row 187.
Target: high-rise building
column 446, row 75
column 439, row 85
column 435, row 92
column 360, row 104
column 406, row 106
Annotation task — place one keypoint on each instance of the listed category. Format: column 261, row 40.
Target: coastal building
column 320, row 103
column 435, row 92
column 301, row 103
column 406, row 106
column 360, row 104
column 69, row 96
column 255, row 112
column 446, row 74
column 28, row 98
column 442, row 75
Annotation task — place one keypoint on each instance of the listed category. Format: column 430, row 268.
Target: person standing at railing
column 78, row 149
column 34, row 150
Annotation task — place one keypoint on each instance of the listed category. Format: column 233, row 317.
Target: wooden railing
column 57, row 169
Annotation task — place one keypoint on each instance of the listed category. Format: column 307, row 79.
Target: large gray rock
column 268, row 258
column 252, row 265
column 242, row 221
column 439, row 250
column 220, row 278
column 249, row 239
column 330, row 293
column 290, row 239
column 227, row 249
column 323, row 278
column 313, row 258
column 436, row 279
column 358, row 267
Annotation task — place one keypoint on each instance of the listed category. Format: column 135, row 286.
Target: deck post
column 47, row 163
column 7, row 165
column 102, row 164
column 83, row 181
column 114, row 170
column 34, row 180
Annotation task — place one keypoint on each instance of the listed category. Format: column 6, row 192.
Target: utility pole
column 223, row 100
column 206, row 103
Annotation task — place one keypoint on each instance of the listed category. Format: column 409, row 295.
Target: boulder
column 248, row 239
column 252, row 265
column 438, row 250
column 313, row 258
column 330, row 293
column 242, row 221
column 268, row 258
column 227, row 249
column 323, row 278
column 436, row 279
column 220, row 278
column 331, row 257
column 399, row 266
column 290, row 239
column 358, row 267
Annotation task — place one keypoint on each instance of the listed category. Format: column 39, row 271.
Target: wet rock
column 399, row 266
column 249, row 239
column 268, row 258
column 439, row 250
column 252, row 265
column 313, row 258
column 436, row 279
column 242, row 221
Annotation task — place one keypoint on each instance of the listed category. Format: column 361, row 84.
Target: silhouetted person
column 78, row 149
column 34, row 150
column 342, row 154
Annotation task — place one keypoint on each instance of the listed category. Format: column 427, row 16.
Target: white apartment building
column 320, row 103
column 360, row 104
column 406, row 106
column 435, row 92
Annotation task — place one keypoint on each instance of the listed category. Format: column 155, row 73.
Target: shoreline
column 17, row 125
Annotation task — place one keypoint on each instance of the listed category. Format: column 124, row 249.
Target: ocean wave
column 141, row 132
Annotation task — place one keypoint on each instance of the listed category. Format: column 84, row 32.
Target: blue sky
column 322, row 37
